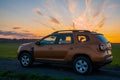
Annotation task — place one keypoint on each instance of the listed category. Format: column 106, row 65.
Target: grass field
column 8, row 50
column 9, row 75
column 116, row 54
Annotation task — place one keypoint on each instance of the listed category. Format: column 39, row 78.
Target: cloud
column 88, row 6
column 53, row 28
column 54, row 20
column 113, row 6
column 53, row 8
column 16, row 34
column 25, row 31
column 38, row 11
column 87, row 2
column 98, row 9
column 71, row 6
column 101, row 23
column 45, row 24
column 3, row 25
column 16, row 27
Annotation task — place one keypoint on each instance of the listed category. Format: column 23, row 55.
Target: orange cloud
column 16, row 27
column 17, row 34
column 71, row 6
column 38, row 11
column 54, row 20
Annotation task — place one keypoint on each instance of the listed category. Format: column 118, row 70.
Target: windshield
column 102, row 38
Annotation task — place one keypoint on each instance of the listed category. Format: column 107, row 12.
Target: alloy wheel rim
column 81, row 66
column 25, row 60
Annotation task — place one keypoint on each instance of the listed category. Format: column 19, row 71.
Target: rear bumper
column 107, row 60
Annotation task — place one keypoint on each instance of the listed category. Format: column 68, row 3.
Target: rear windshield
column 102, row 38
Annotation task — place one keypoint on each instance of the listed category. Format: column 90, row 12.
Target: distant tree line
column 4, row 40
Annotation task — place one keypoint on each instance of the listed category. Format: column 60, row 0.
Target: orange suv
column 81, row 49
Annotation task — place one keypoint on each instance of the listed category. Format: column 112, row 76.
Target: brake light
column 109, row 45
column 103, row 47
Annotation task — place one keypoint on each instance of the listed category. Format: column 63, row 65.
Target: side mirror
column 37, row 42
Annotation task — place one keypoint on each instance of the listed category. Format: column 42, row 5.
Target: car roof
column 75, row 31
column 70, row 31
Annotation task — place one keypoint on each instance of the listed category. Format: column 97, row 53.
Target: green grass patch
column 8, row 50
column 8, row 75
column 116, row 54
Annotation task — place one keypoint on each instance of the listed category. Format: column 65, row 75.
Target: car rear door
column 63, row 46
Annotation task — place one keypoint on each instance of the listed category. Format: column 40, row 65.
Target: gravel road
column 105, row 73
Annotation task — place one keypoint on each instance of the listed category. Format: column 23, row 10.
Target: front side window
column 50, row 40
column 64, row 39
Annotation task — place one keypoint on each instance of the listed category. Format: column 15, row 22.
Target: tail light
column 102, row 47
column 109, row 46
column 105, row 46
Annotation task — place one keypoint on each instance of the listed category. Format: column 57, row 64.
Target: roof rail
column 70, row 31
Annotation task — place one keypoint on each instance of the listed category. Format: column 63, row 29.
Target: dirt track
column 105, row 73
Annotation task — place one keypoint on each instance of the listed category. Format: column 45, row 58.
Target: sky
column 34, row 19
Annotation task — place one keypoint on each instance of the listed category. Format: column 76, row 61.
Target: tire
column 82, row 65
column 25, row 59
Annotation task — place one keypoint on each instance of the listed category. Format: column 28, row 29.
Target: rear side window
column 102, row 38
column 65, row 39
column 82, row 38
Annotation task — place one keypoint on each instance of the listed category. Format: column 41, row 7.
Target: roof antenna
column 73, row 26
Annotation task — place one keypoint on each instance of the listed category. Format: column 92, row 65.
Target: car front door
column 43, row 50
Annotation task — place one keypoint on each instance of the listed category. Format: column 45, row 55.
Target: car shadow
column 67, row 69
column 53, row 67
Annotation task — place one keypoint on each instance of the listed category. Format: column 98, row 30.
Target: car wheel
column 82, row 65
column 25, row 59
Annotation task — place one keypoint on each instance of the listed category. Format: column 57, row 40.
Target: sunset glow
column 34, row 19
